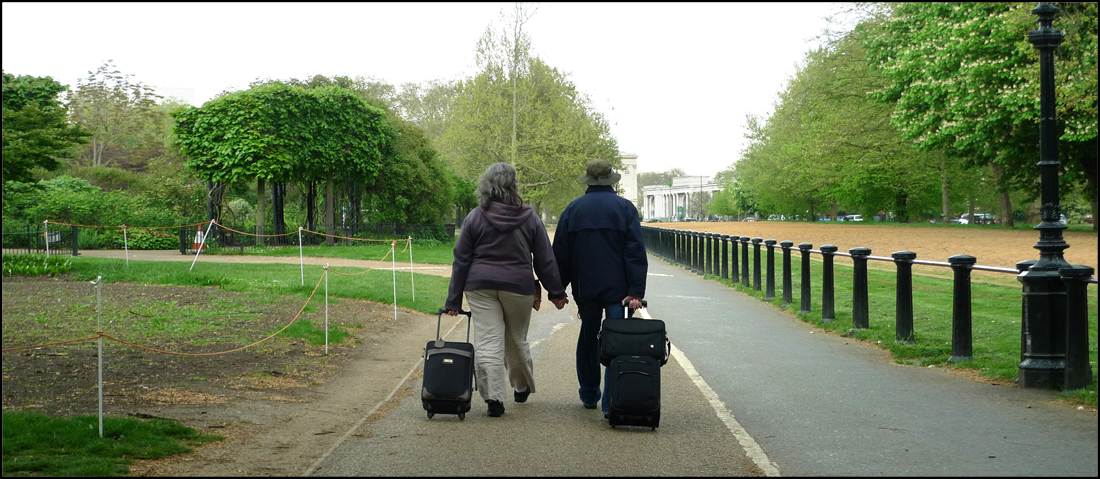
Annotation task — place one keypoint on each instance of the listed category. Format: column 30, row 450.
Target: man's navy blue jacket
column 599, row 248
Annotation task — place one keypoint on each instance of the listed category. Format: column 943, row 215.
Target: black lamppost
column 1044, row 296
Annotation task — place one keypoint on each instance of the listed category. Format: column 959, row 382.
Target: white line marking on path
column 752, row 449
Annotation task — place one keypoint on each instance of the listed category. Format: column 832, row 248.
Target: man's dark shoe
column 496, row 408
column 589, row 405
column 522, row 396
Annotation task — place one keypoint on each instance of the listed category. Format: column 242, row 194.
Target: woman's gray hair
column 498, row 183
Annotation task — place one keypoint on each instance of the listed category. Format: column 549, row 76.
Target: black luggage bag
column 634, row 388
column 634, row 351
column 634, row 337
column 448, row 373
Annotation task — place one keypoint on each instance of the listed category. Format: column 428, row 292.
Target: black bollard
column 1078, row 369
column 708, row 265
column 183, row 241
column 828, row 315
column 714, row 256
column 903, row 316
column 769, row 284
column 786, row 245
column 725, row 257
column 699, row 240
column 962, row 334
column 756, row 263
column 805, row 300
column 745, row 261
column 693, row 250
column 860, row 313
column 734, row 239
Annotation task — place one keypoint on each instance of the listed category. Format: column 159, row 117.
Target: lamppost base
column 1042, row 373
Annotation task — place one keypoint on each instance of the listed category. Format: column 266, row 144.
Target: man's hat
column 598, row 172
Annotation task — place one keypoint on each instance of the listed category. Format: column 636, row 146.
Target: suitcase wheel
column 461, row 416
column 430, row 415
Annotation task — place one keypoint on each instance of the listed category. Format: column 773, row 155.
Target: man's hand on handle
column 632, row 302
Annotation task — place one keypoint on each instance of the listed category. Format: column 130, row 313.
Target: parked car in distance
column 853, row 218
column 749, row 219
column 984, row 219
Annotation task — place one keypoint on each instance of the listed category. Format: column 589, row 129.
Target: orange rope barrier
column 52, row 344
column 347, row 238
column 254, row 234
column 100, row 334
column 276, row 333
column 125, row 226
column 368, row 269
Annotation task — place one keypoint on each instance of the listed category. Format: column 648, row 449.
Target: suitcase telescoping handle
column 439, row 321
column 630, row 312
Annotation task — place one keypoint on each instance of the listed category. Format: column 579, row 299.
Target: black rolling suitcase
column 448, row 373
column 634, row 388
column 634, row 351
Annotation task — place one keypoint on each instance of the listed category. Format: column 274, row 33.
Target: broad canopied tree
column 965, row 80
column 115, row 109
column 36, row 132
column 274, row 131
column 519, row 110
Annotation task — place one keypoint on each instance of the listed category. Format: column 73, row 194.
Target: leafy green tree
column 35, row 131
column 274, row 131
column 965, row 80
column 113, row 108
column 519, row 110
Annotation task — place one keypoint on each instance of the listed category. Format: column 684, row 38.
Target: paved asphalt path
column 750, row 390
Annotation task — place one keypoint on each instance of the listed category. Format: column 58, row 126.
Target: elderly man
column 600, row 252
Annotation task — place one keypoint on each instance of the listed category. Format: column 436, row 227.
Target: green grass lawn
column 431, row 252
column 39, row 445
column 996, row 310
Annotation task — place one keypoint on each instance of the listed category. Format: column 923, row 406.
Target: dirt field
column 991, row 246
column 280, row 404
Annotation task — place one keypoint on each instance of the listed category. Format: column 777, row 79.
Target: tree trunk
column 901, row 208
column 1004, row 201
column 943, row 190
column 833, row 208
column 261, row 199
column 970, row 211
column 330, row 221
column 278, row 196
column 311, row 205
column 1090, row 180
column 209, row 200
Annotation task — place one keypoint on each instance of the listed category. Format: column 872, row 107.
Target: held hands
column 560, row 303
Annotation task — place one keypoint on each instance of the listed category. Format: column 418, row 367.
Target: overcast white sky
column 675, row 80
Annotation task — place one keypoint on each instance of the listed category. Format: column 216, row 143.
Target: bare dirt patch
column 280, row 404
column 991, row 246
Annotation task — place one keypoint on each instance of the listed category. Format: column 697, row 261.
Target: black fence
column 709, row 254
column 33, row 239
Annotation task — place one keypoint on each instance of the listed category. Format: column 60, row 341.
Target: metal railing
column 707, row 253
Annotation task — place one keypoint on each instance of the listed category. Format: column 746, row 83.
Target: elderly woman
column 492, row 265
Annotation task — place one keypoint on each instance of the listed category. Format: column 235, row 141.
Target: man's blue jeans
column 589, row 368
